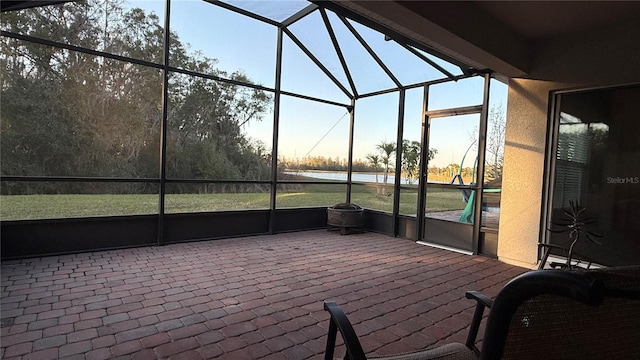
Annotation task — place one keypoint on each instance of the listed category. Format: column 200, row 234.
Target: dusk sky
column 309, row 128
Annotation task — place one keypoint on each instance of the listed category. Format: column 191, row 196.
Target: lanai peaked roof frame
column 345, row 15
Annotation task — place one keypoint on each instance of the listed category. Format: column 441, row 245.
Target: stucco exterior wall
column 601, row 57
column 522, row 183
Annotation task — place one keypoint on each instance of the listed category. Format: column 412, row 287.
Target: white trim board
column 443, row 247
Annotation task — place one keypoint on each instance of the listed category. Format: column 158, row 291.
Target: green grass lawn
column 22, row 207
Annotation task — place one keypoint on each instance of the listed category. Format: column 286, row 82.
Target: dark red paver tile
column 255, row 297
column 210, row 351
column 98, row 354
column 17, row 350
column 176, row 347
column 126, row 348
column 48, row 354
column 75, row 348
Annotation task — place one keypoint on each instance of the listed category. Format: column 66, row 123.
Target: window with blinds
column 572, row 157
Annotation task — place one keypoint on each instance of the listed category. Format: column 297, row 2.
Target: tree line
column 67, row 113
column 383, row 159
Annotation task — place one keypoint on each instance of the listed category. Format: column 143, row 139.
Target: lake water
column 355, row 177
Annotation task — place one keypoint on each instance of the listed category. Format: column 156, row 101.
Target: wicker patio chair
column 543, row 314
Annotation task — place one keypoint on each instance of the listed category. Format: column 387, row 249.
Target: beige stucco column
column 522, row 181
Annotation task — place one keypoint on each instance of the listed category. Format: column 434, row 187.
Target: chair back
column 561, row 314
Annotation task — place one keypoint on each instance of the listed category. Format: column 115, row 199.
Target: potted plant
column 575, row 222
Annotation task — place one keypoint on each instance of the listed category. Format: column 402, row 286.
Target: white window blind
column 572, row 157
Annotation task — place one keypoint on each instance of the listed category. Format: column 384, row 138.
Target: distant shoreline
column 335, row 175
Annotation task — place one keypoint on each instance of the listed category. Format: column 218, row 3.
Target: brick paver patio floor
column 244, row 298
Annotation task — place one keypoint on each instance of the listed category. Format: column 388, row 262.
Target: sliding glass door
column 595, row 162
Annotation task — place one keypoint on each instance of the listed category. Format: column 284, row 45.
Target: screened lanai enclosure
column 135, row 123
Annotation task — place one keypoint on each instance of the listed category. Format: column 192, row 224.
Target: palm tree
column 375, row 161
column 453, row 169
column 410, row 159
column 387, row 150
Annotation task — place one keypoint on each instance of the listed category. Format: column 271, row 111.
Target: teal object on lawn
column 467, row 213
column 469, row 210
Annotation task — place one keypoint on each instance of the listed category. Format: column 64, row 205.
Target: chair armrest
column 340, row 322
column 483, row 299
column 482, row 302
